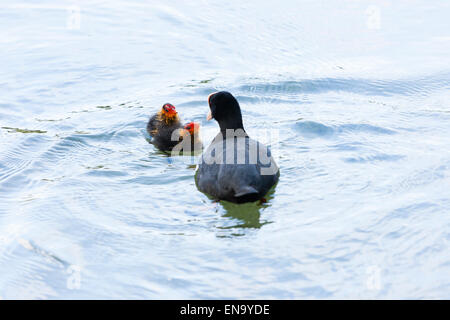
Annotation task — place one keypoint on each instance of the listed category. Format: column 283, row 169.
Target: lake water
column 352, row 96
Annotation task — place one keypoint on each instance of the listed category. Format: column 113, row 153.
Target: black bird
column 234, row 167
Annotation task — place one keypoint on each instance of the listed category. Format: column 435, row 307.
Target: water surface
column 354, row 95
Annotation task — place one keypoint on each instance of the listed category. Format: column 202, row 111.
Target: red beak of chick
column 169, row 110
column 192, row 127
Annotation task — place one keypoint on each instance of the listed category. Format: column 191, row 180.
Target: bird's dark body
column 162, row 132
column 234, row 180
column 234, row 167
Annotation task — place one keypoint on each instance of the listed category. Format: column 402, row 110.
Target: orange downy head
column 169, row 112
column 192, row 128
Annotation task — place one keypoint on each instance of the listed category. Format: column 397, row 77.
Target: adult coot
column 234, row 167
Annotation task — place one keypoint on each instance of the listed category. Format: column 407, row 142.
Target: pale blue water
column 356, row 94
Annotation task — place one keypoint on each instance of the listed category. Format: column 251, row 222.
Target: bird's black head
column 225, row 109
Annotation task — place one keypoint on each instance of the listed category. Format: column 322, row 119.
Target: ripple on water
column 363, row 151
column 369, row 87
column 22, row 153
column 312, row 129
column 374, row 157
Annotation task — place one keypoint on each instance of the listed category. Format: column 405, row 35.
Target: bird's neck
column 231, row 124
column 169, row 120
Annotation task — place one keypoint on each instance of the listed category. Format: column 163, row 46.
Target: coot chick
column 161, row 127
column 196, row 145
column 234, row 167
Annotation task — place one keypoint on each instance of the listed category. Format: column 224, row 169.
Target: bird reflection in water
column 245, row 216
